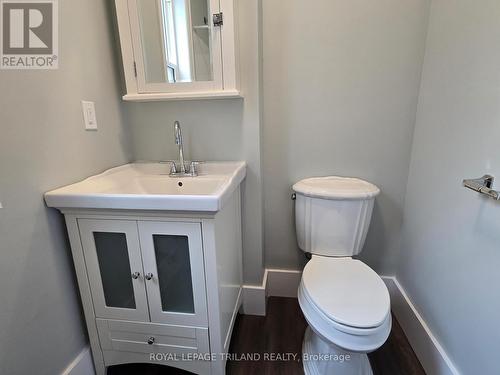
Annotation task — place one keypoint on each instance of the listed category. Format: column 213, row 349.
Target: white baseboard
column 81, row 365
column 425, row 345
column 275, row 283
column 283, row 283
column 254, row 298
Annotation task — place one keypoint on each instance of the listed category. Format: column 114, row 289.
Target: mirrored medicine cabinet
column 178, row 49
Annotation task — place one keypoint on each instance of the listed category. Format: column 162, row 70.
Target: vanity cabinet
column 160, row 287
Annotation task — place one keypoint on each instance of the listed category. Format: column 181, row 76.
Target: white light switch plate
column 89, row 115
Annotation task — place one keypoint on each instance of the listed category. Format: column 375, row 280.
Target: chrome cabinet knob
column 151, row 340
column 136, row 275
column 149, row 276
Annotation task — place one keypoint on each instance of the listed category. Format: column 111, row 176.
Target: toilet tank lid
column 334, row 187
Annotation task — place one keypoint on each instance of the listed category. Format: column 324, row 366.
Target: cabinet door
column 173, row 266
column 114, row 266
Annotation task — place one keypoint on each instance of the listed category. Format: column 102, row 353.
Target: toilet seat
column 347, row 291
column 346, row 303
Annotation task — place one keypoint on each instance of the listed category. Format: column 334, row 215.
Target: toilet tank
column 332, row 214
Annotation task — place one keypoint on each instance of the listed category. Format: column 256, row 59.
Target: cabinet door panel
column 173, row 256
column 114, row 266
column 174, row 273
column 112, row 256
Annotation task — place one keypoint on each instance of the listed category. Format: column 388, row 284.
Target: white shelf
column 156, row 97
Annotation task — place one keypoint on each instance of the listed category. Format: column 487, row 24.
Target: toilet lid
column 334, row 187
column 347, row 291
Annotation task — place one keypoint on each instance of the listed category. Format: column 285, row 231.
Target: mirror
column 176, row 40
column 179, row 49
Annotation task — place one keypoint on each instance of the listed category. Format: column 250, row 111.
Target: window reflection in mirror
column 176, row 38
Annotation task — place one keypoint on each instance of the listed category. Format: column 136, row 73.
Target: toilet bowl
column 347, row 307
column 345, row 302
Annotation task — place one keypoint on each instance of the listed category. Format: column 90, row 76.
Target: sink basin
column 147, row 186
column 160, row 185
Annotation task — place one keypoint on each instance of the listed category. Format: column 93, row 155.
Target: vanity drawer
column 147, row 338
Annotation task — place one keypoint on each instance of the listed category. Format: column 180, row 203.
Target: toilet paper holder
column 483, row 185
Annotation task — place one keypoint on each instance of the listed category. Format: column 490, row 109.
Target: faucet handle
column 173, row 165
column 192, row 167
column 173, row 168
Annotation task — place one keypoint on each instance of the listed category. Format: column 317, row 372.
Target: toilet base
column 322, row 358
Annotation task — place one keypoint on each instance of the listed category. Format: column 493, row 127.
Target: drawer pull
column 151, row 340
column 136, row 275
column 149, row 276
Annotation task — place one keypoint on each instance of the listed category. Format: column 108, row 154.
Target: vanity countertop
column 148, row 186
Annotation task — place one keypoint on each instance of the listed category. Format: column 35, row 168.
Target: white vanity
column 158, row 262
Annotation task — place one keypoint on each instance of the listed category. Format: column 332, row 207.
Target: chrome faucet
column 178, row 142
column 179, row 170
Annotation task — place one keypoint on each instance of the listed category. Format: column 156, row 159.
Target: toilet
column 346, row 304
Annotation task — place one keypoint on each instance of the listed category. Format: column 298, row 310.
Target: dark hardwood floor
column 281, row 331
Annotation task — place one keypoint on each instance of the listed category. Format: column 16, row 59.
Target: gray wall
column 451, row 244
column 216, row 130
column 43, row 145
column 341, row 82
